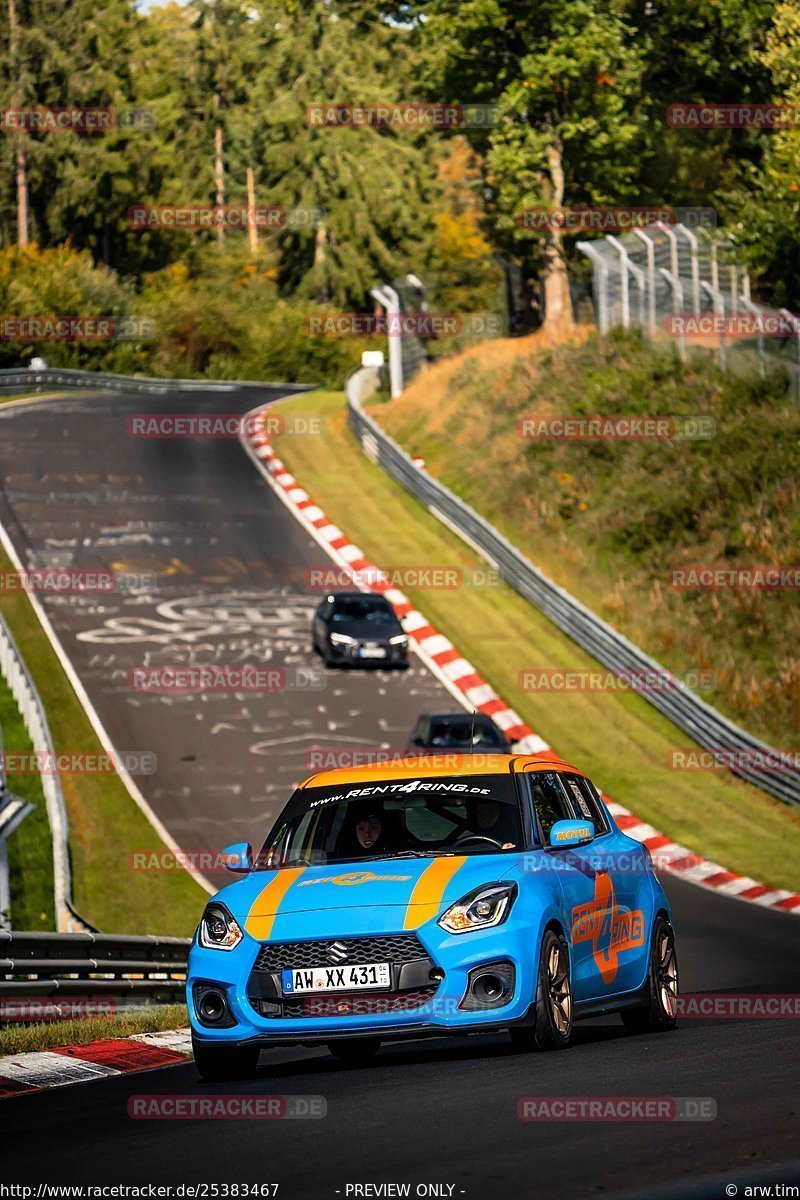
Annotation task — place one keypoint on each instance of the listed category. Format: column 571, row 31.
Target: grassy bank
column 104, row 822
column 611, row 520
column 30, row 852
column 616, row 737
column 19, row 1039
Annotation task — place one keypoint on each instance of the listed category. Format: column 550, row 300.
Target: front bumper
column 394, row 656
column 428, row 988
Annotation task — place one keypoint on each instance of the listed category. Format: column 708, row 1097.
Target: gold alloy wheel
column 559, row 990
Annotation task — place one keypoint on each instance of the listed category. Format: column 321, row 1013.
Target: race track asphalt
column 232, row 581
column 233, row 587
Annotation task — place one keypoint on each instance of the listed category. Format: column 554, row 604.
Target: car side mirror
column 238, row 858
column 571, row 833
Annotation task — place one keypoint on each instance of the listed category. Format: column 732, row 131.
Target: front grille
column 395, row 948
column 354, row 1005
column 411, row 967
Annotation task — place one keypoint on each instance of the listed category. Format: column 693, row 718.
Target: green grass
column 30, row 851
column 611, row 520
column 105, row 824
column 19, row 1039
column 618, row 739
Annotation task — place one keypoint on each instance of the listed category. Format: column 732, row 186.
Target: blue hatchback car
column 443, row 895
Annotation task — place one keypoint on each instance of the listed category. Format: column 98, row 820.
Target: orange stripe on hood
column 267, row 903
column 426, row 897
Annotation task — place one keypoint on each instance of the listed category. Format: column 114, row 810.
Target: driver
column 367, row 830
column 489, row 819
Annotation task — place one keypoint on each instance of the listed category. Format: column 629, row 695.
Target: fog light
column 489, row 986
column 211, row 1006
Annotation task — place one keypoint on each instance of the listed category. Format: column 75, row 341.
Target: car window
column 549, row 801
column 586, row 800
column 362, row 610
column 459, row 731
column 450, row 814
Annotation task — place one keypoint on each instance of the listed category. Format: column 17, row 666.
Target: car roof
column 461, row 715
column 357, row 596
column 431, row 765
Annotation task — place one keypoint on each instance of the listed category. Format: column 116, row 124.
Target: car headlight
column 218, row 930
column 486, row 906
column 342, row 639
column 399, row 639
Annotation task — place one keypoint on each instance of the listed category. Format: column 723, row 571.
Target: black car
column 459, row 731
column 353, row 629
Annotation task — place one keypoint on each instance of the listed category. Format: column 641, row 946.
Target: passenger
column 489, row 818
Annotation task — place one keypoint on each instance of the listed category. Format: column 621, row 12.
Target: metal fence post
column 651, row 277
column 388, row 298
column 601, row 291
column 796, row 373
column 752, row 308
column 677, row 295
column 718, row 301
column 673, row 249
column 623, row 278
column 692, row 240
column 629, row 266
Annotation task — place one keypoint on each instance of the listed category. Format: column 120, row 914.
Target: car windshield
column 460, row 732
column 452, row 814
column 362, row 610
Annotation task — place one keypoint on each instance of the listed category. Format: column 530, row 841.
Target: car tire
column 554, row 1001
column 223, row 1064
column 660, row 1013
column 355, row 1052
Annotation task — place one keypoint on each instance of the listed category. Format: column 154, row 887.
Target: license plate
column 335, row 979
column 372, row 652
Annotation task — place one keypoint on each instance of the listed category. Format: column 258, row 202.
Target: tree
column 566, row 79
column 766, row 205
column 375, row 186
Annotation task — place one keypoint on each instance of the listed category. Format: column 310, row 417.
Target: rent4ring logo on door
column 608, row 927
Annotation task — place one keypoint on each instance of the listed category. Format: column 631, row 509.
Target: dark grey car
column 354, row 629
column 460, row 731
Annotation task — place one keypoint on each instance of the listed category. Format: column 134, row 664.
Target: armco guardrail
column 23, row 689
column 703, row 724
column 30, row 379
column 38, row 966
